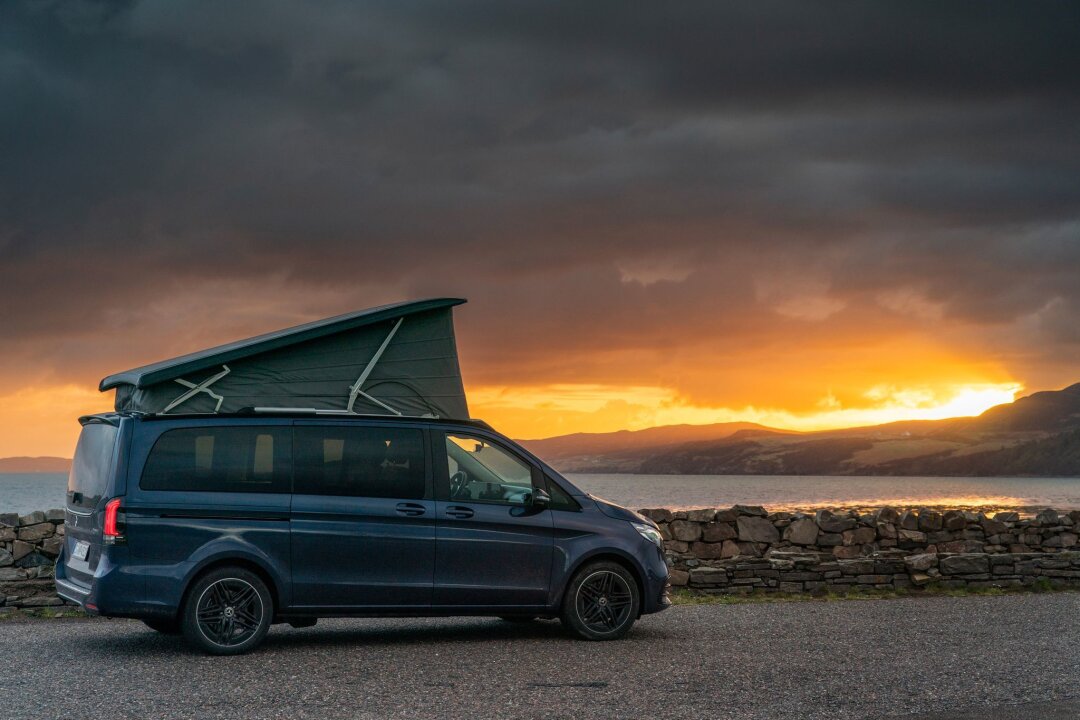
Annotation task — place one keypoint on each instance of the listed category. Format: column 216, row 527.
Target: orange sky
column 658, row 220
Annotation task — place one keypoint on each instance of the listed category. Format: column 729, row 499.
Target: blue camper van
column 216, row 525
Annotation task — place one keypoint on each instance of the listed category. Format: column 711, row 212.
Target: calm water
column 41, row 491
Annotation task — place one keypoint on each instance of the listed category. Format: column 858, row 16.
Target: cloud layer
column 745, row 204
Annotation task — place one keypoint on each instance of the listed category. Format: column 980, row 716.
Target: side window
column 482, row 472
column 220, row 459
column 373, row 462
column 560, row 499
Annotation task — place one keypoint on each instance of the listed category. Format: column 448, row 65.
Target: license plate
column 81, row 548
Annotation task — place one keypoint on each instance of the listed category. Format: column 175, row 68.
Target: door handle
column 410, row 509
column 459, row 512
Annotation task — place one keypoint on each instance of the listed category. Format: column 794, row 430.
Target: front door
column 493, row 547
column 363, row 517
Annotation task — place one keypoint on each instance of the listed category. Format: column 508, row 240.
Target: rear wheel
column 602, row 601
column 165, row 627
column 227, row 611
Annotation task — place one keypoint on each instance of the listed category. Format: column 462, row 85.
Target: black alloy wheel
column 602, row 602
column 228, row 611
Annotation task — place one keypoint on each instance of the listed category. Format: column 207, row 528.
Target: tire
column 601, row 602
column 227, row 611
column 517, row 619
column 165, row 627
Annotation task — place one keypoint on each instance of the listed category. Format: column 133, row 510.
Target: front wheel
column 227, row 611
column 602, row 601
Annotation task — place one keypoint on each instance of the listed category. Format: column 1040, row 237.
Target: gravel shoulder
column 927, row 658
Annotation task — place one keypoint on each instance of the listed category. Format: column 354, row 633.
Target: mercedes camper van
column 216, row 526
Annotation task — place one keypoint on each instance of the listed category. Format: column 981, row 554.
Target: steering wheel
column 458, row 481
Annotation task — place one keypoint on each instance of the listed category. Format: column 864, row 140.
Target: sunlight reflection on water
column 787, row 492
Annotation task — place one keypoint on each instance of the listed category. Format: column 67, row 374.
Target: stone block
column 886, row 531
column 717, row 532
column 830, row 539
column 676, row 546
column 964, row 564
column 1007, row 517
column 51, row 546
column 1047, row 518
column 750, row 510
column 678, row 578
column 912, row 536
column 873, row 579
column 929, row 520
column 707, row 550
column 5, row 558
column 803, row 531
column 728, row 515
column 730, row 549
column 9, row 520
column 32, row 518
column 757, row 529
column 20, row 549
column 847, row 552
column 887, row 515
column 953, row 520
column 920, row 562
column 830, row 522
column 859, row 536
column 685, row 530
column 909, row 521
column 660, row 515
column 40, row 531
column 702, row 515
column 993, row 527
column 707, row 576
column 857, row 567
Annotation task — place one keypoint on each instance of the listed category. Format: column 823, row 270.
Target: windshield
column 91, row 466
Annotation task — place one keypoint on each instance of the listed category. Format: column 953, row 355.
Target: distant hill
column 1036, row 435
column 605, row 452
column 35, row 465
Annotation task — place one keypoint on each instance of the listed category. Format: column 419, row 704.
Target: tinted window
column 220, row 459
column 91, row 466
column 560, row 499
column 482, row 472
column 360, row 461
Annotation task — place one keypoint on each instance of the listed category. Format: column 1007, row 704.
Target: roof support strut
column 356, row 390
column 204, row 386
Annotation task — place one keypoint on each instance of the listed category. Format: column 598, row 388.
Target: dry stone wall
column 746, row 549
column 743, row 549
column 29, row 545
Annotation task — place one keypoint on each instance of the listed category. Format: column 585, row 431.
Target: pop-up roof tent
column 396, row 359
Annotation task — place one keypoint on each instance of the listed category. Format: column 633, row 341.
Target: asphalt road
column 938, row 658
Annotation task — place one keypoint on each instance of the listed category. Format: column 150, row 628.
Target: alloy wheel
column 603, row 601
column 229, row 612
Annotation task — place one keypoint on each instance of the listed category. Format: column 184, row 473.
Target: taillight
column 113, row 529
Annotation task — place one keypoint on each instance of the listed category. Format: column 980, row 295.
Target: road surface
column 984, row 658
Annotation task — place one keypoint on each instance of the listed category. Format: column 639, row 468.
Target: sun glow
column 546, row 410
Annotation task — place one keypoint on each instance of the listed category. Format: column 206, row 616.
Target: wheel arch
column 607, row 555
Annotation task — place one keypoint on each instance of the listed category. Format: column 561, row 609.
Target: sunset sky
column 800, row 214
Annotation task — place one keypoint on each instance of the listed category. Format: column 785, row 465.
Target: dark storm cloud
column 559, row 163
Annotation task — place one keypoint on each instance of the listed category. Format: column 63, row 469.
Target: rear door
column 493, row 548
column 363, row 517
column 90, row 484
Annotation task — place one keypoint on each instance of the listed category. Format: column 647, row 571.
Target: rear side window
column 220, row 459
column 92, row 466
column 360, row 461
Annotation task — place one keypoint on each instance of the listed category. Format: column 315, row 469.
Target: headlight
column 650, row 533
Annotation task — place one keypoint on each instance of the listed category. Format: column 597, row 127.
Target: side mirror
column 540, row 499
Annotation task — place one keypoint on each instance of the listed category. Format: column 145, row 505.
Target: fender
column 234, row 548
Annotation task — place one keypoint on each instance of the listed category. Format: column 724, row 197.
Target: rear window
column 361, row 461
column 92, row 466
column 220, row 459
